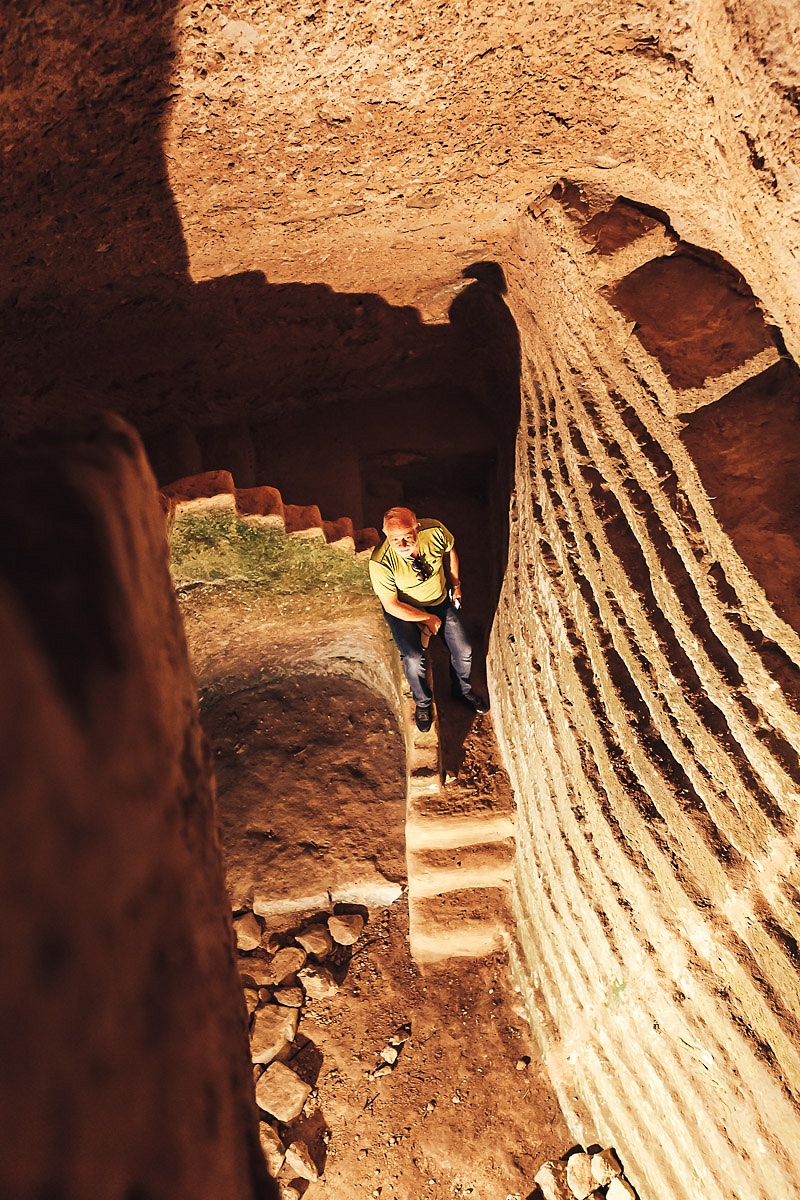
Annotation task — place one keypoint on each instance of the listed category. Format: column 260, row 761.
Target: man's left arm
column 450, row 564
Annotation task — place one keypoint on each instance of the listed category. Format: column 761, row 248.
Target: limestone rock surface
column 273, row 1147
column 316, row 940
column 281, row 1093
column 248, row 931
column 274, row 1027
column 346, row 928
column 299, row 1160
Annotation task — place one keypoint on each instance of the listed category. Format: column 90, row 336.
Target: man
column 410, row 573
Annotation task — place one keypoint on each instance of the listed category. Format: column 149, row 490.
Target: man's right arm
column 383, row 586
column 407, row 612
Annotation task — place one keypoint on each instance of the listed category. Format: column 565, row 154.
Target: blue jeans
column 408, row 639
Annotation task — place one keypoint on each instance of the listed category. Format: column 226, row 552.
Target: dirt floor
column 311, row 794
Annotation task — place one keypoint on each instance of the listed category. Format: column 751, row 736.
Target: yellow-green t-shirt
column 392, row 575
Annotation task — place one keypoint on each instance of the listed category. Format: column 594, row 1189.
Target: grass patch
column 242, row 560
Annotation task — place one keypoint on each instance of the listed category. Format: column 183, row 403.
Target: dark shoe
column 476, row 703
column 423, row 718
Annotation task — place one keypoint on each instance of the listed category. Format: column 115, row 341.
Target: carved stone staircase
column 460, row 858
column 459, row 855
column 215, row 491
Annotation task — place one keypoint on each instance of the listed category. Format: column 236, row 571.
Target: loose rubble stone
column 299, row 1160
column 389, row 1054
column 318, row 982
column 619, row 1189
column 552, row 1179
column 281, row 1093
column 316, row 940
column 286, row 1191
column 380, row 1071
column 273, row 1028
column 346, row 928
column 290, row 997
column 605, row 1167
column 251, row 999
column 286, row 962
column 255, row 972
column 580, row 1179
column 248, row 932
column 273, row 1147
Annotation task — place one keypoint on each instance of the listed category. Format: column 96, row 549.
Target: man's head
column 401, row 528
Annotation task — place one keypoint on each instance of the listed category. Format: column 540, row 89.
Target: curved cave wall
column 646, row 696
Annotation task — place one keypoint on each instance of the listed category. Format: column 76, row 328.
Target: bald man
column 410, row 572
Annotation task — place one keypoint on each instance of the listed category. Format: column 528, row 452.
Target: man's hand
column 432, row 623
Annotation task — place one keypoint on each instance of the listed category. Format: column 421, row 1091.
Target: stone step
column 261, row 506
column 215, row 491
column 470, row 923
column 340, row 534
column 303, row 520
column 434, row 871
column 448, row 833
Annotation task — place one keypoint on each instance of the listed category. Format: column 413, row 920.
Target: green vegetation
column 242, row 562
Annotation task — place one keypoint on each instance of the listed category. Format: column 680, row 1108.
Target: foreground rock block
column 109, row 858
column 316, row 940
column 605, row 1167
column 620, row 1189
column 248, row 932
column 580, row 1179
column 287, row 962
column 318, row 982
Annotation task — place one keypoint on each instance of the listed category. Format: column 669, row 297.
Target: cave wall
column 126, row 1066
column 644, row 660
column 646, row 696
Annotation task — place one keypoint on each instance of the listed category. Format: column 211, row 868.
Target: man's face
column 403, row 539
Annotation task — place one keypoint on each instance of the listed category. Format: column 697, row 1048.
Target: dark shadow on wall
column 746, row 448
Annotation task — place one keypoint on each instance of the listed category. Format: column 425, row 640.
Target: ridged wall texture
column 646, row 695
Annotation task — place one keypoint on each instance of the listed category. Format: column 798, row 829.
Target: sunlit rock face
column 124, row 1044
column 645, row 667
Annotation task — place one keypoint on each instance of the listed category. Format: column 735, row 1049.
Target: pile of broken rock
column 584, row 1176
column 276, row 985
